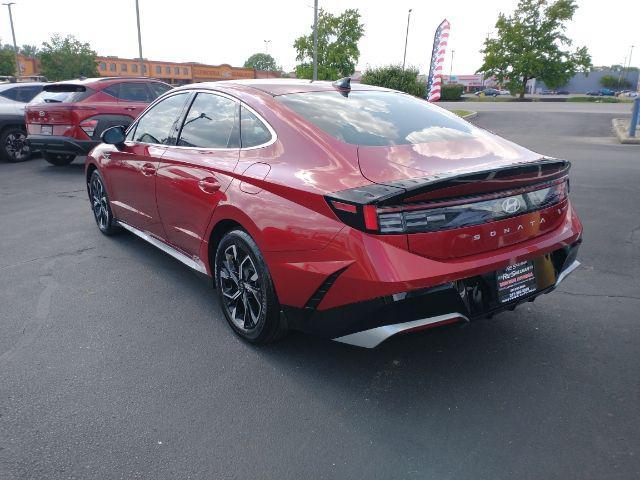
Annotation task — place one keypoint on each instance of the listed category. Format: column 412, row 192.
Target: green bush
column 393, row 76
column 451, row 92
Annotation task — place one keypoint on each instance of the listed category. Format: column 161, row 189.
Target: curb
column 620, row 127
column 470, row 116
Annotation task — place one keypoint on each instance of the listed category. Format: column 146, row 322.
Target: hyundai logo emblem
column 42, row 113
column 510, row 205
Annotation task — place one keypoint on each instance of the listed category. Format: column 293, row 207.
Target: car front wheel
column 246, row 291
column 100, row 204
column 58, row 159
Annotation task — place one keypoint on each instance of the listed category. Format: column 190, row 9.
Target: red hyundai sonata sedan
column 348, row 211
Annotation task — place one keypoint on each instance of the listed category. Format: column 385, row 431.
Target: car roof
column 8, row 85
column 105, row 80
column 278, row 86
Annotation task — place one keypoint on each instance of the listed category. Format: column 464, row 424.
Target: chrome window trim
column 240, row 103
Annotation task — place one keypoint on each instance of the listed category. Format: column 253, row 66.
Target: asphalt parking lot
column 116, row 363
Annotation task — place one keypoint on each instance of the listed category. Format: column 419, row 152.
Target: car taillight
column 88, row 127
column 449, row 213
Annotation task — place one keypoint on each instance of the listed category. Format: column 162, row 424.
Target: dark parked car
column 602, row 92
column 67, row 118
column 562, row 91
column 354, row 213
column 489, row 92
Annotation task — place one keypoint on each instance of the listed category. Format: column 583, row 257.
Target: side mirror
column 114, row 136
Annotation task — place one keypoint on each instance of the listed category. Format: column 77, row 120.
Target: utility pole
column 624, row 63
column 451, row 66
column 13, row 34
column 628, row 65
column 315, row 40
column 139, row 41
column 406, row 38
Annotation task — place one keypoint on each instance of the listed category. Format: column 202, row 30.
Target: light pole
column 139, row 40
column 451, row 66
column 628, row 64
column 315, row 40
column 266, row 46
column 13, row 34
column 406, row 39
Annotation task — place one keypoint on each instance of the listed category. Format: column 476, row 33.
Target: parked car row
column 493, row 92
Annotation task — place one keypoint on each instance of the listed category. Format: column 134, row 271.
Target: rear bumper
column 369, row 323
column 59, row 144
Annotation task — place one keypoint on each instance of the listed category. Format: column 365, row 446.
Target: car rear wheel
column 14, row 147
column 58, row 159
column 100, row 204
column 245, row 290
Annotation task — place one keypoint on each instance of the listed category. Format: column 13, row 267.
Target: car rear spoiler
column 456, row 184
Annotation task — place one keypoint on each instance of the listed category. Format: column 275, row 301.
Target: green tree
column 531, row 43
column 64, row 58
column 7, row 62
column 338, row 52
column 610, row 81
column 395, row 77
column 28, row 51
column 262, row 61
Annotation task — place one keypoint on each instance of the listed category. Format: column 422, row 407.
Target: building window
column 158, row 69
column 112, row 67
column 123, row 67
column 144, row 68
column 185, row 71
column 167, row 70
column 176, row 70
column 103, row 66
column 134, row 67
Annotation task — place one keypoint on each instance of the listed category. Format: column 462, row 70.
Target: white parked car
column 13, row 98
column 504, row 92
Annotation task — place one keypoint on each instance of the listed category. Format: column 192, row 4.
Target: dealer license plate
column 516, row 281
column 46, row 129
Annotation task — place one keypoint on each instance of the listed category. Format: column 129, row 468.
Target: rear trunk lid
column 54, row 110
column 466, row 196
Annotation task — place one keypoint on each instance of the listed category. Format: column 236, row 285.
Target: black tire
column 100, row 205
column 255, row 313
column 13, row 147
column 58, row 159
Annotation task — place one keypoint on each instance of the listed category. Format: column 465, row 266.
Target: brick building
column 176, row 73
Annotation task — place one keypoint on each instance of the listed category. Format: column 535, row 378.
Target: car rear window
column 63, row 93
column 376, row 118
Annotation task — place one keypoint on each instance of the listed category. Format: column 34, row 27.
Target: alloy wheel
column 16, row 147
column 99, row 203
column 241, row 289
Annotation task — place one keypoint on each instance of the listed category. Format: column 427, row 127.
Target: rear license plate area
column 46, row 129
column 516, row 281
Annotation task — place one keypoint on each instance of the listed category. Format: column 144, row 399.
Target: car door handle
column 209, row 185
column 130, row 109
column 148, row 169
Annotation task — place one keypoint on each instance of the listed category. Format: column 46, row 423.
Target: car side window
column 158, row 89
column 26, row 94
column 134, row 92
column 252, row 131
column 10, row 93
column 212, row 122
column 156, row 124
